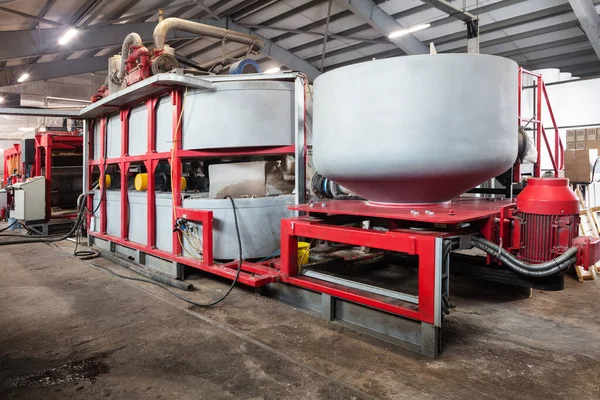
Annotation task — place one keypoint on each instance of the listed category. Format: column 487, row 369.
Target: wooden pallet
column 588, row 226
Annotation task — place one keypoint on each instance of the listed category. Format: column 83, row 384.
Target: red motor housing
column 548, row 214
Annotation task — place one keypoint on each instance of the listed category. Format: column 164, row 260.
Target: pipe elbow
column 161, row 30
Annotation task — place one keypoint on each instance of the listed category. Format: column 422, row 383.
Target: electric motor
column 548, row 215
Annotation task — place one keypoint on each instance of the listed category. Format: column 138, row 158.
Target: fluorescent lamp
column 402, row 32
column 23, row 77
column 1, row 99
column 273, row 70
column 27, row 129
column 70, row 34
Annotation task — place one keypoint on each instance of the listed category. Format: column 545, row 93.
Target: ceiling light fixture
column 23, row 77
column 273, row 70
column 27, row 129
column 402, row 32
column 70, row 34
column 1, row 99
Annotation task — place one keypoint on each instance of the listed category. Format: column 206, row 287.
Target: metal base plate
column 413, row 335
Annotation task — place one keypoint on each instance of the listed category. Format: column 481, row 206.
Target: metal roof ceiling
column 535, row 33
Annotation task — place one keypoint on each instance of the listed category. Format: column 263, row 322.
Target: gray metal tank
column 416, row 129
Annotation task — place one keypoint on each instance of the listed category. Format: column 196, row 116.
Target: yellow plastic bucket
column 303, row 252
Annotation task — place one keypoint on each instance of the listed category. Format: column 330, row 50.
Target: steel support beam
column 451, row 10
column 22, row 44
column 313, row 33
column 51, row 70
column 278, row 53
column 590, row 21
column 32, row 43
column 373, row 15
column 31, row 17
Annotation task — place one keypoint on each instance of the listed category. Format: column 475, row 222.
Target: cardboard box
column 590, row 134
column 580, row 145
column 570, row 145
column 579, row 164
column 592, row 144
column 571, row 136
column 580, row 135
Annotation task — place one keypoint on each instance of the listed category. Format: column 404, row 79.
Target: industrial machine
column 189, row 167
column 42, row 176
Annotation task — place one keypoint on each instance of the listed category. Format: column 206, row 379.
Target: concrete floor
column 69, row 330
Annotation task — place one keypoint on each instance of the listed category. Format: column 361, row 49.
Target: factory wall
column 575, row 105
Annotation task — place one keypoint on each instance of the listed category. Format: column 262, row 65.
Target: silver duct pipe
column 133, row 39
column 163, row 28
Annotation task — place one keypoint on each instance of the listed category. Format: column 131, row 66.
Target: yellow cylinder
column 141, row 182
column 303, row 252
column 183, row 183
column 107, row 180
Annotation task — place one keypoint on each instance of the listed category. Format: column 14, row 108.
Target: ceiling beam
column 313, row 33
column 451, row 10
column 32, row 43
column 459, row 37
column 381, row 21
column 43, row 12
column 51, row 70
column 23, row 44
column 590, row 21
column 31, row 17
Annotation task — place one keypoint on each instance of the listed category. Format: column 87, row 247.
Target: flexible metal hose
column 548, row 268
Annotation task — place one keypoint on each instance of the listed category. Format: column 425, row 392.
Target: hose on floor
column 9, row 226
column 50, row 238
column 195, row 303
column 552, row 267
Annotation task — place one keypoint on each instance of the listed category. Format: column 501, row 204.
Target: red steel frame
column 253, row 274
column 11, row 153
column 480, row 214
column 421, row 244
column 540, row 92
column 45, row 144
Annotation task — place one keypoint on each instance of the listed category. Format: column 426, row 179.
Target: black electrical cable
column 548, row 268
column 194, row 303
column 9, row 226
column 50, row 239
column 83, row 254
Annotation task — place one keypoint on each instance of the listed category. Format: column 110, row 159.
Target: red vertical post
column 289, row 249
column 38, row 156
column 47, row 145
column 207, row 238
column 538, row 140
column 124, row 166
column 427, row 252
column 151, row 105
column 176, row 164
column 104, row 200
column 90, row 144
column 6, row 173
column 150, row 168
